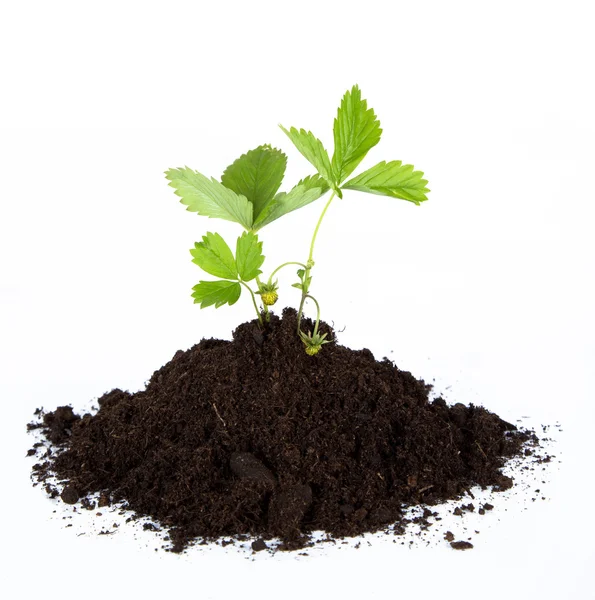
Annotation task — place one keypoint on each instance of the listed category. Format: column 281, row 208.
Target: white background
column 487, row 287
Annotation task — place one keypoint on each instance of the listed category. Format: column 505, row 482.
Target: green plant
column 248, row 194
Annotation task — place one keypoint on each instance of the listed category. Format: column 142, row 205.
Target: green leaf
column 306, row 191
column 391, row 179
column 249, row 256
column 215, row 257
column 210, row 198
column 257, row 175
column 304, row 284
column 313, row 150
column 207, row 293
column 356, row 130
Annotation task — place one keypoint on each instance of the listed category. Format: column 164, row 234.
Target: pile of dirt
column 252, row 436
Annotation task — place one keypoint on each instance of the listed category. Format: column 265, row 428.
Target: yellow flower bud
column 269, row 298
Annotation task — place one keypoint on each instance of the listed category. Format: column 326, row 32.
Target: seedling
column 248, row 194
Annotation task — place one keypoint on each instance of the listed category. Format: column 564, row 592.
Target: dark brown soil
column 255, row 437
column 461, row 545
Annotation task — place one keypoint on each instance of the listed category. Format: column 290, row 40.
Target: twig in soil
column 217, row 412
column 481, row 450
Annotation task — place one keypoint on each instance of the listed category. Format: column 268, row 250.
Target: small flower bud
column 269, row 298
column 312, row 350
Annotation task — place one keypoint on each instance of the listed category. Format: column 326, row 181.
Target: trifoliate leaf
column 257, row 175
column 391, row 179
column 305, row 192
column 313, row 150
column 356, row 130
column 207, row 293
column 215, row 257
column 210, row 198
column 249, row 256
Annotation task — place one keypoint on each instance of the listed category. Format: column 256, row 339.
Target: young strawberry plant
column 248, row 194
column 262, row 440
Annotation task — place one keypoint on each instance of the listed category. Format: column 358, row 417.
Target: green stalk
column 301, row 312
column 310, row 262
column 253, row 300
column 299, row 264
column 310, row 258
column 317, row 314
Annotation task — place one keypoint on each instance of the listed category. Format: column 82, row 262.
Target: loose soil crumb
column 461, row 545
column 258, row 545
column 254, row 437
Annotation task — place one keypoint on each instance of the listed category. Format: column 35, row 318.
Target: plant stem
column 253, row 300
column 299, row 264
column 301, row 312
column 310, row 257
column 310, row 262
column 317, row 313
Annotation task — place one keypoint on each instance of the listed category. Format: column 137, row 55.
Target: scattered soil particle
column 88, row 504
column 504, row 483
column 259, row 545
column 461, row 545
column 449, row 536
column 254, row 437
column 51, row 490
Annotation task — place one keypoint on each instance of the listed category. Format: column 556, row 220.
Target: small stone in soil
column 69, row 495
column 246, row 466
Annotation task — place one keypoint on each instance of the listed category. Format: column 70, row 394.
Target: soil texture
column 252, row 436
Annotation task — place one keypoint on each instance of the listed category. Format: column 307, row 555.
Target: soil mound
column 255, row 437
